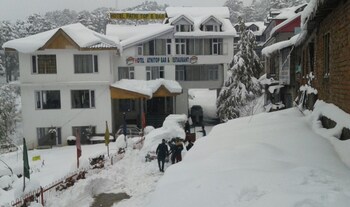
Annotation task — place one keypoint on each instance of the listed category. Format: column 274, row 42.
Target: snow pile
column 172, row 128
column 341, row 118
column 31, row 185
column 270, row 159
column 308, row 89
column 71, row 138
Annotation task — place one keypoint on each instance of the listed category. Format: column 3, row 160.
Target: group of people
column 176, row 147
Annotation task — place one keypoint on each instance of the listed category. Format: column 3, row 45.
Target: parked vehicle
column 197, row 115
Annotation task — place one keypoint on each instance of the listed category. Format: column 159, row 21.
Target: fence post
column 42, row 195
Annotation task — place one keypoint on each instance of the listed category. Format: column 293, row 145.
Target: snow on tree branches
column 241, row 86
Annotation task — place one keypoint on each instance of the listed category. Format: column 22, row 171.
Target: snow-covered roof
column 260, row 25
column 147, row 87
column 81, row 35
column 178, row 17
column 267, row 51
column 286, row 13
column 130, row 34
column 222, row 12
column 227, row 28
column 284, row 23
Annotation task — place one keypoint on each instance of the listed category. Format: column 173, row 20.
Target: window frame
column 92, row 99
column 326, row 54
column 36, row 63
column 94, row 63
column 39, row 99
column 150, row 72
column 130, row 72
column 180, row 46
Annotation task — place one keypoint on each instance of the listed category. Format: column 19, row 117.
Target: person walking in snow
column 162, row 152
column 178, row 150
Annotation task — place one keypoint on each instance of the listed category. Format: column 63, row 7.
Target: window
column 126, row 73
column 140, row 50
column 216, row 47
column 326, row 49
column 180, row 73
column 154, row 72
column 47, row 99
column 85, row 64
column 311, row 56
column 49, row 136
column 183, row 28
column 44, row 64
column 180, row 46
column 168, row 46
column 197, row 72
column 155, row 47
column 126, row 105
column 83, row 99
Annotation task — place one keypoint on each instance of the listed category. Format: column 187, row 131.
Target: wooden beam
column 118, row 93
column 162, row 91
column 60, row 40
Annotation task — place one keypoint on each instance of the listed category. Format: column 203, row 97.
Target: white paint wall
column 65, row 80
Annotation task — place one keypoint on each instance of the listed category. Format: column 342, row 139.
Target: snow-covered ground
column 271, row 159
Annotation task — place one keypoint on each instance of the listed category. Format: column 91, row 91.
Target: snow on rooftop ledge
column 148, row 87
column 267, row 51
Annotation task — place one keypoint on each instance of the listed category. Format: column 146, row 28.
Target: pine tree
column 236, row 9
column 242, row 85
column 8, row 112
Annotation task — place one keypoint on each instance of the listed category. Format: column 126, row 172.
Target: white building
column 71, row 76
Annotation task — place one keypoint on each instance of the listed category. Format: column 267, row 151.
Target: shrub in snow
column 242, row 85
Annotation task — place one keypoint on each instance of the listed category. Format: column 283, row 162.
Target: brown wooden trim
column 162, row 91
column 60, row 40
column 118, row 93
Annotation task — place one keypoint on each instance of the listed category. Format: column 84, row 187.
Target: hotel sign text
column 161, row 60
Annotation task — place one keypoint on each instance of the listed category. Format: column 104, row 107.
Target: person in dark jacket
column 162, row 152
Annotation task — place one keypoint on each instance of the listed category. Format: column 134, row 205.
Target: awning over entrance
column 135, row 89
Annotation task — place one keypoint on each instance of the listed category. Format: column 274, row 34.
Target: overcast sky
column 19, row 9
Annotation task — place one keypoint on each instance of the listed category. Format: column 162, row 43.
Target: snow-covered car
column 131, row 131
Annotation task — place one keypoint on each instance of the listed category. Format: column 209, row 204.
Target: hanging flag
column 106, row 135
column 25, row 160
column 107, row 138
column 77, row 143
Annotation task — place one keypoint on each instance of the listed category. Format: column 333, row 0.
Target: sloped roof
column 81, row 35
column 131, row 34
column 147, row 88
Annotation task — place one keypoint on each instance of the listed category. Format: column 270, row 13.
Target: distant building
column 281, row 61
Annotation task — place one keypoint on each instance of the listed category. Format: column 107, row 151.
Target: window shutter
column 34, row 64
column 95, row 64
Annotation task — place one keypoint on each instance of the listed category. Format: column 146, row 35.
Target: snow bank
column 341, row 118
column 172, row 128
column 270, row 159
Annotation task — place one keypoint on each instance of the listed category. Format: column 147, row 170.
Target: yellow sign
column 137, row 15
column 35, row 158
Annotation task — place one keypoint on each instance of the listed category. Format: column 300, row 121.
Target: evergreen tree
column 236, row 9
column 8, row 112
column 242, row 86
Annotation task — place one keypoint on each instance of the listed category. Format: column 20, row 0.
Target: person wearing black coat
column 162, row 152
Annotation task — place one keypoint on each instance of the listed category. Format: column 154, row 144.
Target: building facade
column 73, row 79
